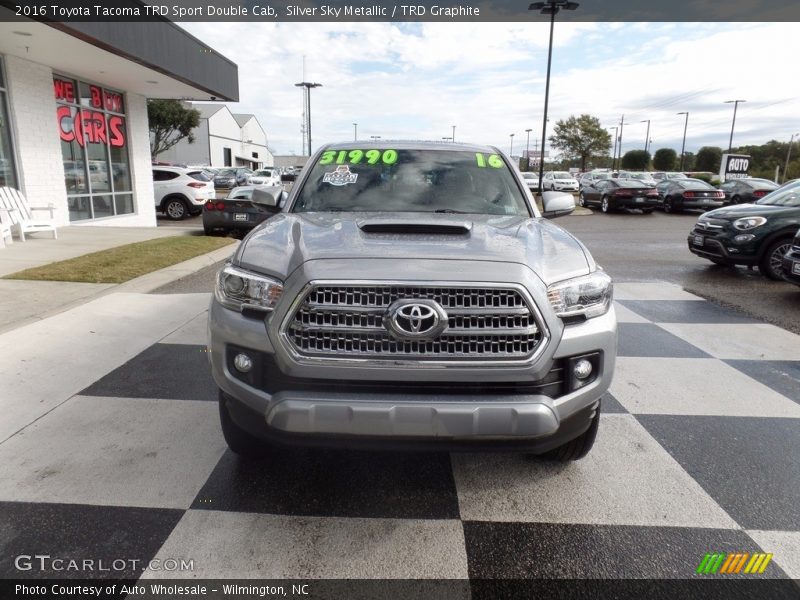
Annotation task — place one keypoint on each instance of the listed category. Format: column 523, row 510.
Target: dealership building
column 73, row 111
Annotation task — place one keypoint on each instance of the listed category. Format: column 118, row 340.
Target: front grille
column 486, row 323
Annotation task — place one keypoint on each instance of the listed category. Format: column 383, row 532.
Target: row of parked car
column 764, row 234
column 183, row 191
column 750, row 221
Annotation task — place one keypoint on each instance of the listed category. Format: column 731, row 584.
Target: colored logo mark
column 733, row 563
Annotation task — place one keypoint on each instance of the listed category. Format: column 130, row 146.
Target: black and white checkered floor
column 112, row 449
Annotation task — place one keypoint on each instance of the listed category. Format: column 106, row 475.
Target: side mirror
column 557, row 204
column 268, row 199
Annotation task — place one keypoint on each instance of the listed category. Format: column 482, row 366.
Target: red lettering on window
column 115, row 127
column 113, row 102
column 97, row 97
column 65, row 113
column 64, row 90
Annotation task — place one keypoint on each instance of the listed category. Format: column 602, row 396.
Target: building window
column 94, row 148
column 8, row 170
column 226, row 156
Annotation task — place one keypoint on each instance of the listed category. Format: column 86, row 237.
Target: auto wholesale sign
column 734, row 166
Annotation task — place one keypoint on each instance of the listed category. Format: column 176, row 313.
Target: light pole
column 614, row 154
column 621, row 124
column 528, row 148
column 511, row 148
column 683, row 146
column 454, row 133
column 355, row 132
column 647, row 135
column 549, row 7
column 788, row 154
column 735, row 106
column 307, row 85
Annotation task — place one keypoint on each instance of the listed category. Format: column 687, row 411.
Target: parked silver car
column 412, row 295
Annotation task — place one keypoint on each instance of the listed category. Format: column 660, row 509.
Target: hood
column 738, row 211
column 285, row 241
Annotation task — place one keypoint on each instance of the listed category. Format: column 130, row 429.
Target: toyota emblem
column 415, row 319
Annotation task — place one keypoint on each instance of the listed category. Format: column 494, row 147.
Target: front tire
column 581, row 200
column 176, row 209
column 239, row 441
column 770, row 264
column 579, row 447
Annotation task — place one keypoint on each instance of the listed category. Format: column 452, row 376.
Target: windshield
column 561, row 175
column 645, row 176
column 391, row 180
column 264, row 173
column 227, row 173
column 631, row 183
column 786, row 197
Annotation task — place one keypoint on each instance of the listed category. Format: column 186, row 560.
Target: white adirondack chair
column 5, row 228
column 20, row 214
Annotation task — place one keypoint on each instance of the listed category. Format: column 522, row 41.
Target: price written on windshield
column 355, row 157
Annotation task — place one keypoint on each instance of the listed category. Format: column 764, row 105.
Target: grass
column 123, row 263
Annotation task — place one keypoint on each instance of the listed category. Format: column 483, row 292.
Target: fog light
column 582, row 369
column 243, row 363
column 745, row 237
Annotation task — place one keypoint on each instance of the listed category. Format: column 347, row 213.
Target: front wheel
column 605, row 206
column 771, row 262
column 577, row 448
column 581, row 200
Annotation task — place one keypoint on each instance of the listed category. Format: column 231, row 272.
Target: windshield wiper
column 450, row 210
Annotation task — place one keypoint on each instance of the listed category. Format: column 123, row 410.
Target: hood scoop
column 416, row 226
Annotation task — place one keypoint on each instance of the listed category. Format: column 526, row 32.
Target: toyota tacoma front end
column 411, row 295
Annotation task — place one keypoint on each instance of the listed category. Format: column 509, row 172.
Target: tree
column 637, row 160
column 708, row 159
column 581, row 138
column 170, row 122
column 665, row 159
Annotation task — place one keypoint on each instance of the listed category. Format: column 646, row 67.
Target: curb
column 140, row 285
column 151, row 281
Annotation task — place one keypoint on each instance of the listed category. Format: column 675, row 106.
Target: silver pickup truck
column 411, row 295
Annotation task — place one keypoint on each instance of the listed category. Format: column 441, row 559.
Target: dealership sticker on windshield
column 341, row 176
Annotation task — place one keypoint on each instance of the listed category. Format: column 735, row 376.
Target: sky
column 417, row 80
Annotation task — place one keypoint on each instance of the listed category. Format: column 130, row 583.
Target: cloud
column 414, row 81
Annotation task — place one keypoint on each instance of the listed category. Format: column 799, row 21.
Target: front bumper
column 440, row 408
column 723, row 248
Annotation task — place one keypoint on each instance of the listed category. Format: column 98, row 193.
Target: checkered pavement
column 697, row 452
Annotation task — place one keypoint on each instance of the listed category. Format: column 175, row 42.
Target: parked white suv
column 180, row 192
column 559, row 181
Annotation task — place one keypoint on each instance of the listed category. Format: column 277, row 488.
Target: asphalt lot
column 636, row 247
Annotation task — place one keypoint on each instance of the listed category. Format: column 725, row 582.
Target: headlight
column 237, row 289
column 588, row 296
column 746, row 223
